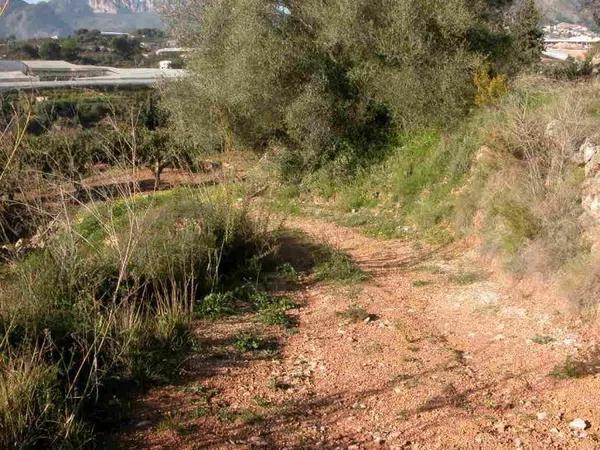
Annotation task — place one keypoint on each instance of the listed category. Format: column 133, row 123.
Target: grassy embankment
column 110, row 302
column 505, row 174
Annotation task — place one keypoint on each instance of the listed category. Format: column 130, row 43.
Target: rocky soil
column 450, row 355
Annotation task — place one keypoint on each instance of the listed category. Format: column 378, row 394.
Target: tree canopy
column 331, row 80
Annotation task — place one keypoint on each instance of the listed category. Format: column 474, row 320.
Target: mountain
column 122, row 6
column 555, row 11
column 63, row 17
column 24, row 21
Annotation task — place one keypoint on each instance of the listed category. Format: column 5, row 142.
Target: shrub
column 327, row 84
column 247, row 342
column 354, row 314
column 571, row 69
column 525, row 186
column 217, row 305
column 489, row 87
column 104, row 303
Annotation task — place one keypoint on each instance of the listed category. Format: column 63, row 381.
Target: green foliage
column 520, row 223
column 217, row 305
column 70, row 49
column 105, row 303
column 490, row 87
column 171, row 423
column 125, row 46
column 543, row 339
column 326, row 84
column 527, row 33
column 572, row 368
column 571, row 69
column 247, row 342
column 466, row 278
column 272, row 310
column 50, row 50
column 335, row 265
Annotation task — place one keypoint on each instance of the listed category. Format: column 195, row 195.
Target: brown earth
column 454, row 355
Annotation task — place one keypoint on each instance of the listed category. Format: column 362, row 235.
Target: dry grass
column 527, row 184
column 107, row 294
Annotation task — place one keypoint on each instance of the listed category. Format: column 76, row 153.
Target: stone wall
column 588, row 157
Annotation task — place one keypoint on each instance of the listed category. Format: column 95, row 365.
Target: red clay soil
column 453, row 356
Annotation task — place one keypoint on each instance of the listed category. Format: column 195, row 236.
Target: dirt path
column 452, row 356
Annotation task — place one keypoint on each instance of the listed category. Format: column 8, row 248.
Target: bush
column 109, row 300
column 571, row 69
column 327, row 84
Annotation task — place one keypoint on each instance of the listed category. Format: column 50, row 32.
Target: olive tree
column 326, row 81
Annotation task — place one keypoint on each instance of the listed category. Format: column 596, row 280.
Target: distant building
column 17, row 75
column 115, row 33
column 555, row 55
column 7, row 65
column 581, row 41
column 61, row 70
column 162, row 51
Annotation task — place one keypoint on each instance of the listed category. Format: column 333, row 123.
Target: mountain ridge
column 62, row 17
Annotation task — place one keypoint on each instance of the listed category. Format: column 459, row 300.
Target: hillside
column 555, row 11
column 63, row 17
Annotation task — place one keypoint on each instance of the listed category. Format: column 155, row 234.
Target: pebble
column 579, row 424
column 541, row 415
column 500, row 427
column 518, row 443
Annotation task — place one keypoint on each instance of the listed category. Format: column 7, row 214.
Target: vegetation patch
column 335, row 265
column 543, row 339
column 172, row 423
column 586, row 364
column 248, row 342
column 104, row 304
column 467, row 277
column 355, row 314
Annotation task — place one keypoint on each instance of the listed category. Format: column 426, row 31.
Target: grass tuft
column 338, row 266
column 355, row 314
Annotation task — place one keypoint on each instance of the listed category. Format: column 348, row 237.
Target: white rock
column 541, row 415
column 588, row 149
column 579, row 424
